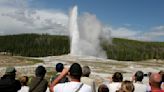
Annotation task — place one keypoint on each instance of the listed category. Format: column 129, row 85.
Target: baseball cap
column 10, row 70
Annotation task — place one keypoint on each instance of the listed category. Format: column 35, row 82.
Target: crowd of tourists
column 77, row 79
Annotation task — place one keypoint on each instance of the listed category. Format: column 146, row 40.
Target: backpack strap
column 79, row 87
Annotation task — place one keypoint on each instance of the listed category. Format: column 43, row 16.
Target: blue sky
column 133, row 19
column 116, row 12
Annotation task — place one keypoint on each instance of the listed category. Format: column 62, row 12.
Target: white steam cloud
column 86, row 35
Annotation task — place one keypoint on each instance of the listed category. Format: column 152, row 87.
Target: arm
column 63, row 74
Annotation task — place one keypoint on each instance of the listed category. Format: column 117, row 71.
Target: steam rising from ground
column 85, row 34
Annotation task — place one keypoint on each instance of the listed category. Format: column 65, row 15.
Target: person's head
column 59, row 67
column 126, row 86
column 40, row 71
column 103, row 88
column 162, row 74
column 23, row 80
column 155, row 80
column 86, row 71
column 10, row 71
column 75, row 71
column 117, row 77
column 139, row 75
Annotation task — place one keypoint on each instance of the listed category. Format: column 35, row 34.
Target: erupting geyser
column 73, row 27
column 85, row 33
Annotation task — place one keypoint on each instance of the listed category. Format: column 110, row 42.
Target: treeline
column 35, row 45
column 132, row 50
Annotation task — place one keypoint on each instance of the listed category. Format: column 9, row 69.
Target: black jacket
column 9, row 84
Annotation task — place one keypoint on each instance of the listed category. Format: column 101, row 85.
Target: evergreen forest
column 40, row 45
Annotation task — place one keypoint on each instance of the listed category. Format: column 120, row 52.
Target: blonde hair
column 126, row 86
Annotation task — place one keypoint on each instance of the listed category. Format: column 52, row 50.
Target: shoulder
column 86, row 88
column 45, row 80
column 87, row 80
column 24, row 89
column 59, row 86
column 140, row 85
column 17, row 83
column 114, row 85
column 34, row 79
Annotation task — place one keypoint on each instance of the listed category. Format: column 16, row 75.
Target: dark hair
column 40, row 71
column 103, row 88
column 59, row 67
column 139, row 75
column 86, row 71
column 75, row 71
column 117, row 77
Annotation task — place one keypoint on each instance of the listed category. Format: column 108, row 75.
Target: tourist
column 24, row 81
column 8, row 83
column 103, row 88
column 116, row 82
column 127, row 86
column 155, row 82
column 75, row 73
column 59, row 68
column 38, row 83
column 86, row 79
column 162, row 83
column 138, row 84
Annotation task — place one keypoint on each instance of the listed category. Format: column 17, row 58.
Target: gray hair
column 86, row 71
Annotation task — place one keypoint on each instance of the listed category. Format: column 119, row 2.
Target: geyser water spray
column 84, row 34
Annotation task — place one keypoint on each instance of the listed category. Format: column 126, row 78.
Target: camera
column 147, row 74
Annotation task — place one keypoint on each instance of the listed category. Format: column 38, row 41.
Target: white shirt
column 140, row 87
column 48, row 89
column 24, row 89
column 162, row 85
column 71, row 87
column 114, row 86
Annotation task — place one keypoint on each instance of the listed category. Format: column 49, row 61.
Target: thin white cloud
column 157, row 31
column 155, row 34
column 124, row 32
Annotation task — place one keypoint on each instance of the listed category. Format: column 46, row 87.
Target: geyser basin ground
column 101, row 68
